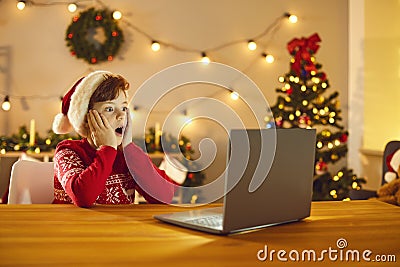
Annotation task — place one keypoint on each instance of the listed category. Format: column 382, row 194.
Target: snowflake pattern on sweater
column 86, row 176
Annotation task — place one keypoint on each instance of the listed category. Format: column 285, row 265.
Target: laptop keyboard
column 212, row 221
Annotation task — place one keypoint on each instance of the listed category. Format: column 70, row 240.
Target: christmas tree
column 304, row 102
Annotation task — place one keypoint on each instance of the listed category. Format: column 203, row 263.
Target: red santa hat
column 75, row 104
column 393, row 164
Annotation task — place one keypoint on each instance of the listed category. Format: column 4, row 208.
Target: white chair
column 31, row 182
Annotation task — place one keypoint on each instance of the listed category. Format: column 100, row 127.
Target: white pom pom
column 390, row 176
column 61, row 124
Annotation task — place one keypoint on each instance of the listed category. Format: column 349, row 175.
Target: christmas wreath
column 94, row 36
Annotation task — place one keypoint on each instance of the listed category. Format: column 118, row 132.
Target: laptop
column 268, row 181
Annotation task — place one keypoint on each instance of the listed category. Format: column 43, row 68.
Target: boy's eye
column 109, row 109
column 124, row 108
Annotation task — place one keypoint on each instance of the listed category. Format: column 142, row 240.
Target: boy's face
column 115, row 112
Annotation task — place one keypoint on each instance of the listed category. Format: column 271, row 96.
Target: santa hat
column 75, row 104
column 393, row 164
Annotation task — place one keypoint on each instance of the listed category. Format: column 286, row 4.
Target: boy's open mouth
column 119, row 130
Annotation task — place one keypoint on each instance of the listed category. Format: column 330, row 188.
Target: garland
column 81, row 36
column 20, row 141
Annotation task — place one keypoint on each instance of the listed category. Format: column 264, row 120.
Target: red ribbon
column 302, row 49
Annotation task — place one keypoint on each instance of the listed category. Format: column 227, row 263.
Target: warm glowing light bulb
column 155, row 46
column 252, row 45
column 269, row 59
column 204, row 58
column 117, row 15
column 21, row 5
column 293, row 18
column 234, row 95
column 6, row 106
column 72, row 7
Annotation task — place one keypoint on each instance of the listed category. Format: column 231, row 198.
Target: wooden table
column 65, row 235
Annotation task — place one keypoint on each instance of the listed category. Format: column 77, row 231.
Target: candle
column 32, row 133
column 157, row 135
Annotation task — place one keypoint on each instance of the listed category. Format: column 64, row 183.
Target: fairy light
column 291, row 17
column 252, row 45
column 315, row 79
column 155, row 46
column 72, row 7
column 117, row 15
column 204, row 58
column 6, row 106
column 21, row 5
column 281, row 79
column 268, row 58
column 354, row 185
column 320, row 144
column 234, row 95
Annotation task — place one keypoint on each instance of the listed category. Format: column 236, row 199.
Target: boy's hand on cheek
column 100, row 130
column 127, row 138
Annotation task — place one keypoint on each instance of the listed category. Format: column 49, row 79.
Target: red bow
column 302, row 49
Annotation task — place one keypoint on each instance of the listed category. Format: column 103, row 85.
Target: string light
column 204, row 58
column 292, row 18
column 6, row 106
column 268, row 58
column 252, row 45
column 234, row 95
column 72, row 7
column 117, row 15
column 21, row 5
column 155, row 46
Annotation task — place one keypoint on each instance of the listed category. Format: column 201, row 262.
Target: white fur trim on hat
column 80, row 100
column 61, row 124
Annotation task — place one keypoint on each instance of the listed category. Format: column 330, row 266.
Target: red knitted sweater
column 85, row 176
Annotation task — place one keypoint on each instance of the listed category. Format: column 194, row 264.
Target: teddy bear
column 390, row 192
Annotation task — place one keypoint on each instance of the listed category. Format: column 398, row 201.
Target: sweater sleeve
column 154, row 185
column 84, row 184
